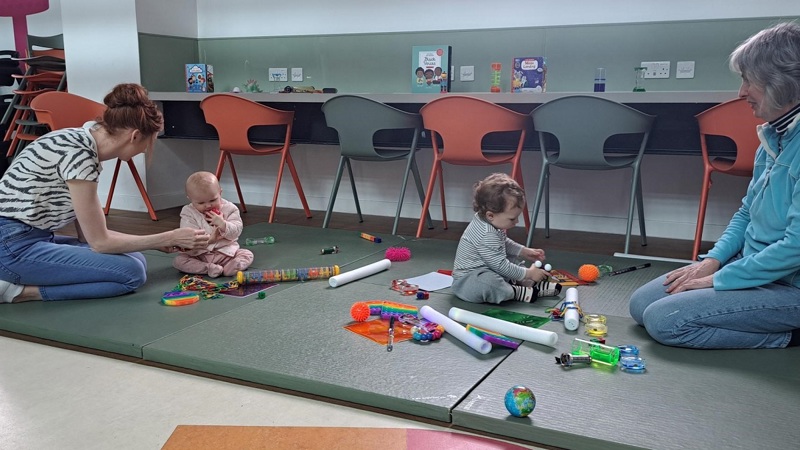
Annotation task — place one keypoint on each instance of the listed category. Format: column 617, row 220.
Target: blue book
column 528, row 74
column 430, row 69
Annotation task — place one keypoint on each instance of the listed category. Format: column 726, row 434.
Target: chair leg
column 113, row 185
column 353, row 188
column 701, row 214
column 429, row 192
column 142, row 190
column 635, row 195
column 640, row 203
column 547, row 204
column 420, row 191
column 220, row 165
column 517, row 175
column 334, row 192
column 441, row 195
column 537, row 203
column 297, row 185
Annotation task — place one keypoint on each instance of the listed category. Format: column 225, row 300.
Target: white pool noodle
column 361, row 272
column 572, row 318
column 504, row 327
column 457, row 330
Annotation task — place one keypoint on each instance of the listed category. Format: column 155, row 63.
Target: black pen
column 391, row 335
column 629, row 269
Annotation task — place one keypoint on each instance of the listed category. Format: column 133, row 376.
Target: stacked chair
column 45, row 72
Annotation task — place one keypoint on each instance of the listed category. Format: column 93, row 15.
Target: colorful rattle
column 180, row 298
column 361, row 311
column 276, row 275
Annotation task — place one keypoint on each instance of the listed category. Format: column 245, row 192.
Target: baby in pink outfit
column 221, row 220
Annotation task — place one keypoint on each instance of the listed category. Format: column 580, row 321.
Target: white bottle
column 572, row 316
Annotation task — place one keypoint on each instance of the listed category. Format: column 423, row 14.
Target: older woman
column 53, row 182
column 745, row 293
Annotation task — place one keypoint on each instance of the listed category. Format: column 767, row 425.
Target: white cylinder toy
column 572, row 315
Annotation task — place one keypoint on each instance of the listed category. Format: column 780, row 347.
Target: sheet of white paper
column 432, row 281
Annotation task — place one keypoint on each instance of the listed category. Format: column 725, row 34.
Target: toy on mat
column 588, row 272
column 404, row 287
column 360, row 311
column 370, row 237
column 207, row 289
column 587, row 352
column 276, row 275
column 493, row 337
column 395, row 254
column 180, row 298
column 596, row 325
column 329, row 250
column 520, row 401
column 423, row 295
column 422, row 330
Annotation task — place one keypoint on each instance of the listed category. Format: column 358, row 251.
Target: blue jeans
column 64, row 268
column 761, row 317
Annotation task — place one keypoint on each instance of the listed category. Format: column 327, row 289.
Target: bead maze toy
column 276, row 275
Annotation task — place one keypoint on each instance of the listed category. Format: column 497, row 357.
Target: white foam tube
column 457, row 330
column 504, row 327
column 361, row 272
column 572, row 317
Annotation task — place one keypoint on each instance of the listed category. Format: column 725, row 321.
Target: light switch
column 467, row 73
column 684, row 69
column 297, row 74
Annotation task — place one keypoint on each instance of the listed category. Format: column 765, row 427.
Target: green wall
column 381, row 63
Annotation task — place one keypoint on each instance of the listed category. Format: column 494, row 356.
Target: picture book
column 430, row 67
column 528, row 74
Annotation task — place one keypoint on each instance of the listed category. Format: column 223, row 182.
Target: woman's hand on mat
column 694, row 276
column 189, row 238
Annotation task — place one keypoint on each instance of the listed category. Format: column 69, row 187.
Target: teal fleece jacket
column 765, row 231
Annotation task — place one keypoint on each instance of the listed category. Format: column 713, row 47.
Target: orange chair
column 462, row 122
column 233, row 116
column 733, row 119
column 63, row 110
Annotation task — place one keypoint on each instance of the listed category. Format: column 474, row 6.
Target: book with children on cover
column 430, row 66
column 528, row 74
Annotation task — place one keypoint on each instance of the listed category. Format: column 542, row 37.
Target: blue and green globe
column 520, row 401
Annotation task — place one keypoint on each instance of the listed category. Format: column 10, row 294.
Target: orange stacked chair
column 45, row 72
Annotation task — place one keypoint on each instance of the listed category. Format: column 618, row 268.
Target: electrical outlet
column 656, row 69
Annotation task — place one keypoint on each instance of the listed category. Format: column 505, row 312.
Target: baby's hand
column 214, row 217
column 532, row 254
column 536, row 274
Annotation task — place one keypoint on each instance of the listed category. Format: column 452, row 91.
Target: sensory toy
column 395, row 254
column 588, row 272
column 361, row 311
column 276, row 275
column 180, row 298
column 520, row 401
column 207, row 289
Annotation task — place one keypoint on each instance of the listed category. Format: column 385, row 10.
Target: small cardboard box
column 199, row 78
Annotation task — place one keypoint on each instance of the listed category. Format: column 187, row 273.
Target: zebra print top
column 34, row 188
column 484, row 246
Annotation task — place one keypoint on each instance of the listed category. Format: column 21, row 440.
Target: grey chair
column 357, row 119
column 582, row 124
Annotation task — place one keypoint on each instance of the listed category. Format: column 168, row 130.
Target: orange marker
column 370, row 237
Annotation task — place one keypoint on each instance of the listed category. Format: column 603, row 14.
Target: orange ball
column 588, row 273
column 359, row 311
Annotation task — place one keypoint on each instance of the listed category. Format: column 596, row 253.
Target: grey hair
column 770, row 60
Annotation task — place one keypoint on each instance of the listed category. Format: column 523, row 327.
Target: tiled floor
column 54, row 398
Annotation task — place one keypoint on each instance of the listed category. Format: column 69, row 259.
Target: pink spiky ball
column 396, row 254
